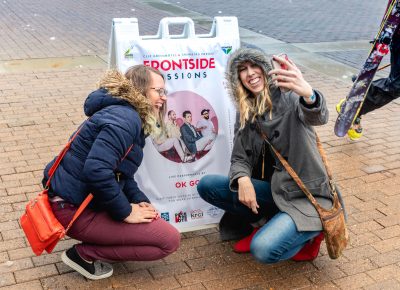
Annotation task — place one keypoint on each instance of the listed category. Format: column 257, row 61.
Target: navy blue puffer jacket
column 94, row 159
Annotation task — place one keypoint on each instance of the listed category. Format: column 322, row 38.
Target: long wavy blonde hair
column 250, row 106
column 132, row 87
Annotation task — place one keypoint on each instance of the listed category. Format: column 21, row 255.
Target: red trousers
column 109, row 240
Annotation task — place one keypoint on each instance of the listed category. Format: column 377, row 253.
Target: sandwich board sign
column 199, row 118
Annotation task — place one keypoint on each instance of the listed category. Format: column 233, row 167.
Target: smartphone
column 276, row 64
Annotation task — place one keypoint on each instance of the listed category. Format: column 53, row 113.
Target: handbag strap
column 80, row 209
column 55, row 165
column 61, row 156
column 297, row 179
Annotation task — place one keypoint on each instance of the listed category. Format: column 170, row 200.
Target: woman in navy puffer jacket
column 120, row 223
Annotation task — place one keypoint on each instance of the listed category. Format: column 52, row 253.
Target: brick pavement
column 310, row 21
column 42, row 29
column 38, row 111
column 299, row 21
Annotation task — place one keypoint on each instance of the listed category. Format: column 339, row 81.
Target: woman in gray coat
column 280, row 103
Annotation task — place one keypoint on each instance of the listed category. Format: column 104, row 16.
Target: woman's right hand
column 141, row 214
column 247, row 194
column 290, row 78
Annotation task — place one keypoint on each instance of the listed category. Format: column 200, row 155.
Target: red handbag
column 39, row 223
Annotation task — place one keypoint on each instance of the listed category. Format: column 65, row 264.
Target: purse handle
column 61, row 156
column 297, row 179
column 55, row 165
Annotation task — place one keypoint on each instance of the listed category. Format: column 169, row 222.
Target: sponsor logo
column 196, row 214
column 181, row 217
column 165, row 216
column 128, row 54
column 226, row 49
column 213, row 211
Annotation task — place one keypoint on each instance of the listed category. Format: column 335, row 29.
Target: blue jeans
column 278, row 239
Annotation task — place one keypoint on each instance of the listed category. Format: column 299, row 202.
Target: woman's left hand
column 290, row 78
column 149, row 205
column 146, row 204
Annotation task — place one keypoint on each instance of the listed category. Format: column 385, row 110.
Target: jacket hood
column 115, row 89
column 100, row 99
column 241, row 55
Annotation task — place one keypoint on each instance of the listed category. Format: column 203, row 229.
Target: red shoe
column 310, row 250
column 243, row 246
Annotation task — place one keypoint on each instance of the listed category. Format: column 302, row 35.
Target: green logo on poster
column 226, row 49
column 128, row 53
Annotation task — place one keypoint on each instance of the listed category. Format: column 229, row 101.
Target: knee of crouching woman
column 263, row 252
column 204, row 186
column 174, row 241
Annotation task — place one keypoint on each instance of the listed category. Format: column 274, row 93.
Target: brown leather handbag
column 333, row 221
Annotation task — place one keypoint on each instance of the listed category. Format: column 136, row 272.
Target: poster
column 200, row 116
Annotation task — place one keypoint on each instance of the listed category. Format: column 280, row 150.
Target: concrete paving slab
column 334, row 46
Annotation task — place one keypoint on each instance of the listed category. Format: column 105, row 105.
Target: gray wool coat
column 291, row 133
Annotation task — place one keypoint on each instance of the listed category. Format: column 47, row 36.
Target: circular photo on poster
column 191, row 128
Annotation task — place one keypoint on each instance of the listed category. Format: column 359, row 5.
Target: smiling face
column 252, row 77
column 155, row 92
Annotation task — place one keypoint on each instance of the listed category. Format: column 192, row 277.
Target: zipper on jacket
column 118, row 174
column 263, row 161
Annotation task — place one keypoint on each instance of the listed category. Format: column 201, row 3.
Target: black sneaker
column 91, row 270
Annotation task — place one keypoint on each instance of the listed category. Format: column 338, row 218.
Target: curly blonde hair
column 132, row 87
